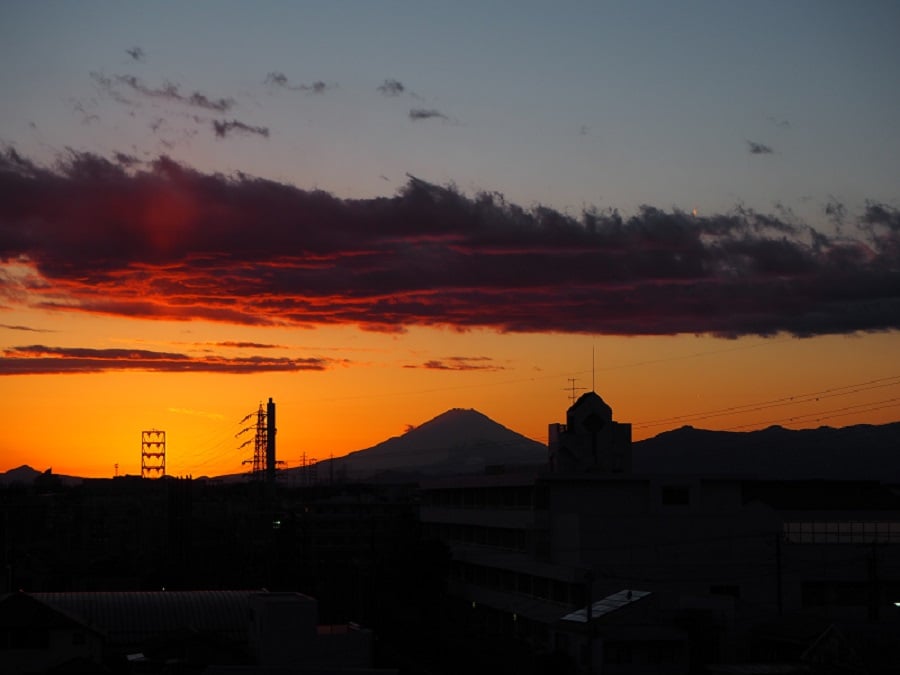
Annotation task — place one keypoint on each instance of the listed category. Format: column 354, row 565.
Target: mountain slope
column 26, row 475
column 456, row 441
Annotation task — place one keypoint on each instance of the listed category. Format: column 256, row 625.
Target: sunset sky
column 373, row 212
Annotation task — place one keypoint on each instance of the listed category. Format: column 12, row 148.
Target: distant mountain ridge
column 26, row 475
column 862, row 452
column 465, row 441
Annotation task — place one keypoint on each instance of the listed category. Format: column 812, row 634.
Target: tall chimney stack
column 270, row 441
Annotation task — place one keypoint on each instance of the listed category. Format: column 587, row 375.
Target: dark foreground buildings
column 576, row 566
column 610, row 571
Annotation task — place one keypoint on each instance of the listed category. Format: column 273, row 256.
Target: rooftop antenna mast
column 572, row 389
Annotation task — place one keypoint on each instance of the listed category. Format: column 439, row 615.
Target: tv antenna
column 572, row 389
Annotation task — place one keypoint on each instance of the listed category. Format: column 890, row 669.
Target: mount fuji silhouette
column 458, row 441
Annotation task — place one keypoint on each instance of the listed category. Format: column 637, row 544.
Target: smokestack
column 270, row 441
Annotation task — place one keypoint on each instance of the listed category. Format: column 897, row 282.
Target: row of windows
column 495, row 497
column 499, row 622
column 643, row 651
column 498, row 537
column 842, row 532
column 508, row 581
column 525, row 497
column 847, row 593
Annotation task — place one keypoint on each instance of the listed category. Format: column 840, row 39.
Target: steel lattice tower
column 260, row 443
column 153, row 454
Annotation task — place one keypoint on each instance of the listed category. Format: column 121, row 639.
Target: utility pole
column 874, row 590
column 589, row 588
column 778, row 580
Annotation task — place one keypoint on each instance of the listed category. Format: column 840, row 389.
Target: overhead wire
column 795, row 399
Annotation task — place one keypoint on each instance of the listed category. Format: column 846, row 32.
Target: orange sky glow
column 490, row 213
column 84, row 424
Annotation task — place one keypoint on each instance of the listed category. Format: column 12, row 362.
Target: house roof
column 132, row 617
column 22, row 610
column 607, row 605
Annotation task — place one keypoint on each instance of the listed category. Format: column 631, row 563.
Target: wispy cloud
column 168, row 92
column 136, row 53
column 391, row 87
column 280, row 80
column 758, row 148
column 459, row 363
column 244, row 345
column 225, row 127
column 426, row 114
column 26, row 328
column 40, row 359
column 164, row 241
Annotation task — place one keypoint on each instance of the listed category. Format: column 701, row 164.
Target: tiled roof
column 132, row 617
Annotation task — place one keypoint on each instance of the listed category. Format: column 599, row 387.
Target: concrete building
column 590, row 440
column 703, row 561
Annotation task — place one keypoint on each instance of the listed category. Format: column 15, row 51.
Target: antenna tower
column 153, row 454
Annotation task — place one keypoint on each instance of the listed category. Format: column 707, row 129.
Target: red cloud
column 167, row 242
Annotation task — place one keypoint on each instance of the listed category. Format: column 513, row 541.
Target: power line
column 836, row 412
column 796, row 399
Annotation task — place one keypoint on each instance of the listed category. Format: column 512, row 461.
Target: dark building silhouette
column 176, row 631
column 590, row 440
column 618, row 572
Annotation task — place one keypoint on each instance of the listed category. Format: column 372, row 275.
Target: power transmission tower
column 259, row 441
column 153, row 454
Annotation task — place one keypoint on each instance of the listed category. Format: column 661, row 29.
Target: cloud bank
column 42, row 360
column 164, row 241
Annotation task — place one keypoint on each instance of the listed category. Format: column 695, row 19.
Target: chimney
column 270, row 441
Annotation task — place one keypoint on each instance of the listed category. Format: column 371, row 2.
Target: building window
column 676, row 495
